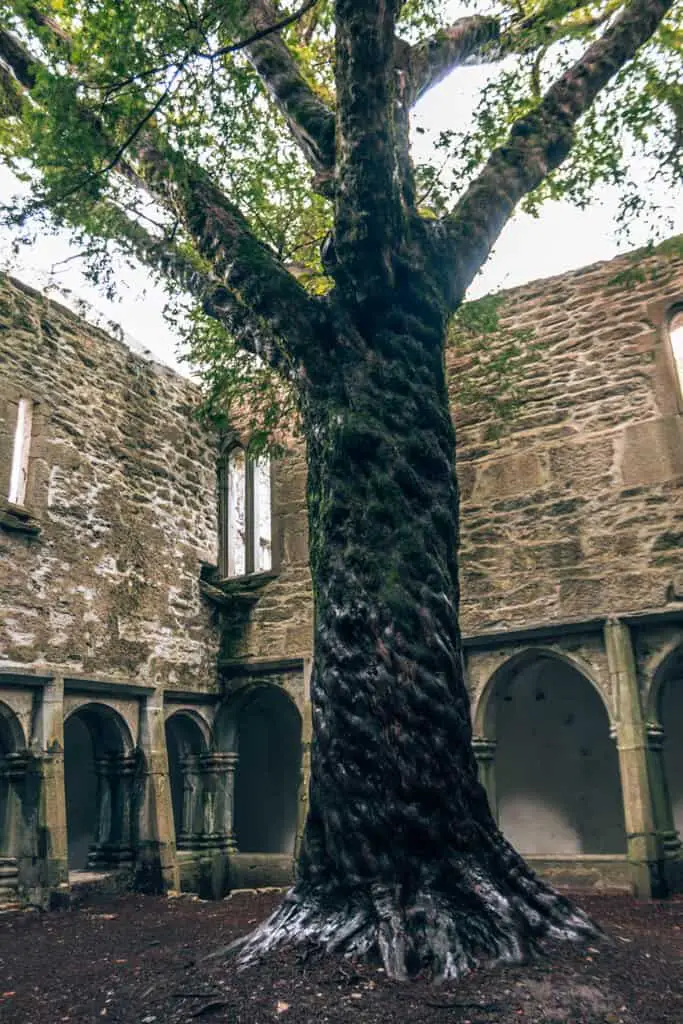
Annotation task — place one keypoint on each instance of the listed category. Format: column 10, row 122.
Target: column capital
column 484, row 749
column 13, row 766
column 218, row 761
column 655, row 736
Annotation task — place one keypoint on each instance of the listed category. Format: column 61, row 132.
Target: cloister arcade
column 235, row 782
column 548, row 760
column 578, row 781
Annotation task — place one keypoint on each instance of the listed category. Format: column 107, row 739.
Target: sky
column 560, row 239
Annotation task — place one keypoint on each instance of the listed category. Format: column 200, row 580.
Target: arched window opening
column 268, row 771
column 671, row 715
column 676, row 338
column 185, row 745
column 7, row 747
column 99, row 776
column 556, row 767
column 245, row 514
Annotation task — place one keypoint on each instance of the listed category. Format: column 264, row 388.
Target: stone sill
column 244, row 590
column 18, row 518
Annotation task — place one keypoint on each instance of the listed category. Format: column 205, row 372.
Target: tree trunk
column 401, row 857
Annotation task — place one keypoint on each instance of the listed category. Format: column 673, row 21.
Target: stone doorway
column 99, row 772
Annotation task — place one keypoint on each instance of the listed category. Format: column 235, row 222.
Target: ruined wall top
column 102, row 576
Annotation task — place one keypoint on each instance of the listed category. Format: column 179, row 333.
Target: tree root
column 479, row 922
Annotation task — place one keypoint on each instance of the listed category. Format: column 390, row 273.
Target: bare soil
column 142, row 960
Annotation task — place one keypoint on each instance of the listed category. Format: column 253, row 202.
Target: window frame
column 673, row 310
column 250, row 465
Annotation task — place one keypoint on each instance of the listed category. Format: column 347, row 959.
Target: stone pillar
column 98, row 854
column 218, row 778
column 643, row 847
column 13, row 771
column 157, row 862
column 115, row 802
column 49, row 820
column 485, row 754
column 669, row 839
column 189, row 836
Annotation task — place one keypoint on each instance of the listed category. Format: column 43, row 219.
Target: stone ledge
column 244, row 590
column 18, row 518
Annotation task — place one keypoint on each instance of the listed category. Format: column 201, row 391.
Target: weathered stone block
column 512, row 475
column 652, row 452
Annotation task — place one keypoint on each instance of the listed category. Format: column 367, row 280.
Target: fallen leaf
column 281, row 1007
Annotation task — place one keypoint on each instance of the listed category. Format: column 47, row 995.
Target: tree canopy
column 116, row 111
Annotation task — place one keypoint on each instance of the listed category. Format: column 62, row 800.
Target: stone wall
column 121, row 487
column 572, row 507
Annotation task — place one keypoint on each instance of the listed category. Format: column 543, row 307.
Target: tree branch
column 431, row 60
column 369, row 215
column 164, row 257
column 483, row 40
column 537, row 144
column 310, row 119
column 242, row 265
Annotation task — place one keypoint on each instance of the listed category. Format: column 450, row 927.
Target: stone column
column 114, row 839
column 643, row 847
column 157, row 862
column 485, row 754
column 218, row 777
column 669, row 839
column 13, row 770
column 50, row 872
column 99, row 848
column 189, row 836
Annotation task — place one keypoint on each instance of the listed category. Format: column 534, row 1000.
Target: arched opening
column 265, row 728
column 671, row 719
column 244, row 512
column 556, row 767
column 99, row 768
column 185, row 744
column 11, row 743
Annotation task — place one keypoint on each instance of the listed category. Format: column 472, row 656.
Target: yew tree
column 258, row 159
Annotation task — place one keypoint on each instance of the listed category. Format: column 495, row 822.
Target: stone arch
column 262, row 726
column 547, row 730
column 665, row 728
column 12, row 739
column 187, row 742
column 669, row 665
column 12, row 746
column 481, row 720
column 100, row 765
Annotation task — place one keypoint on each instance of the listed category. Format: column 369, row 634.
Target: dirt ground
column 141, row 960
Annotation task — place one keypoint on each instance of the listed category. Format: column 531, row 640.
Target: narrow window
column 261, row 528
column 20, row 453
column 237, row 511
column 244, row 514
column 676, row 336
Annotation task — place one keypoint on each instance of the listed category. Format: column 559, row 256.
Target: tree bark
column 401, row 857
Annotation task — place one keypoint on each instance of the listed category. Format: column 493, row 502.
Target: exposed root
column 478, row 923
